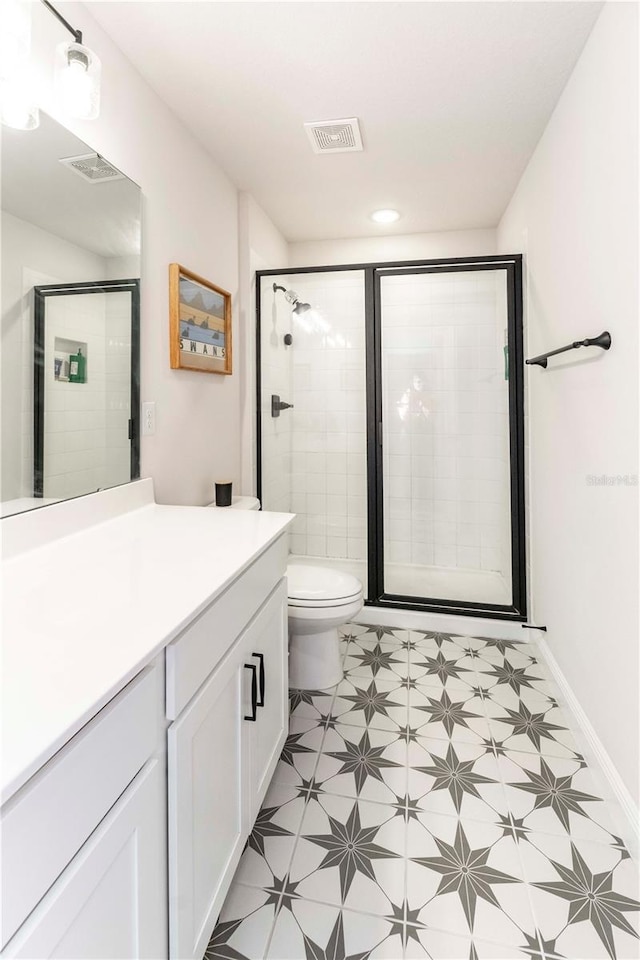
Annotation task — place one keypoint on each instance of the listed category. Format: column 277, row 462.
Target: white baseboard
column 445, row 623
column 597, row 757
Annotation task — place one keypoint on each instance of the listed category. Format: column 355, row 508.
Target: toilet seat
column 319, row 587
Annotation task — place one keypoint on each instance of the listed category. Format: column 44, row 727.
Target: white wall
column 190, row 215
column 415, row 246
column 575, row 213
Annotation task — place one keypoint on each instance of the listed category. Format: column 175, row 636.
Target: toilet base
column 314, row 660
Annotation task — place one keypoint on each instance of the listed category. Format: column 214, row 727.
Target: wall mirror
column 70, row 306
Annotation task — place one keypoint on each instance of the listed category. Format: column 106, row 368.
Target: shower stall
column 390, row 421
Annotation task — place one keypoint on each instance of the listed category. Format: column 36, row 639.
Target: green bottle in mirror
column 78, row 367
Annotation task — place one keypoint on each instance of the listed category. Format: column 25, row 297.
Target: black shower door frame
column 373, row 274
column 40, row 295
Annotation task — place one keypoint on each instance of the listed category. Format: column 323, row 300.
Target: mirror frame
column 40, row 298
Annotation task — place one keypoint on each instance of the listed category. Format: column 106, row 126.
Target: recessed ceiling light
column 385, row 216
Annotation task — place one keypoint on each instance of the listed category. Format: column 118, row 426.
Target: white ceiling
column 452, row 98
column 37, row 188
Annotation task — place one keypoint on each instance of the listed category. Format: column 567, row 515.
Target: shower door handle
column 277, row 405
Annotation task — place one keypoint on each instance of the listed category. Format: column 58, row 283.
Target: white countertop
column 83, row 613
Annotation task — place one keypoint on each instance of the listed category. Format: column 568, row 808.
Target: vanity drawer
column 194, row 654
column 48, row 820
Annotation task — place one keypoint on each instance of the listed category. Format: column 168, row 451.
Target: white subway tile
column 444, row 555
column 316, row 546
column 337, row 484
column 445, row 510
column 357, row 506
column 356, row 527
column 490, row 559
column 316, row 503
column 399, row 487
column 337, row 505
column 444, row 532
column 337, row 527
column 337, row 547
column 399, row 509
column 336, row 463
column 468, row 535
column 356, row 464
column 356, row 549
column 317, row 483
column 397, row 551
column 422, row 553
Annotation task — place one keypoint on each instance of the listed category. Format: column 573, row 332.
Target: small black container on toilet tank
column 223, row 494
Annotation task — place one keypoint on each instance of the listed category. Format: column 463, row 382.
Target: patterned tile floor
column 433, row 805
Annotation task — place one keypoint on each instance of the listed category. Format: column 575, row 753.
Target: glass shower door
column 447, row 465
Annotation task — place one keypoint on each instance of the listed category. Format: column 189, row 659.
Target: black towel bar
column 603, row 341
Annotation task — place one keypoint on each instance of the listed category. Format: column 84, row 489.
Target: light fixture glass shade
column 77, row 81
column 15, row 35
column 18, row 106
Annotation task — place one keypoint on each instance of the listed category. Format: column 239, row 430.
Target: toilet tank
column 240, row 503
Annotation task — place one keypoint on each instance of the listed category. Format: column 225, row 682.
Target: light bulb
column 77, row 81
column 75, row 90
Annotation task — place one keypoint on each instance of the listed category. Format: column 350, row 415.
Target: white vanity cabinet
column 83, row 842
column 266, row 644
column 110, row 900
column 141, row 732
column 223, row 745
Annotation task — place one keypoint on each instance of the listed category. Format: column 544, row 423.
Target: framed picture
column 199, row 323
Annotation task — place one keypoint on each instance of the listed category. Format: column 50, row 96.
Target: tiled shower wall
column 328, row 440
column 117, row 467
column 314, row 456
column 446, row 454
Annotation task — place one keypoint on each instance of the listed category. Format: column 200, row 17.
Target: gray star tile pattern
column 433, row 805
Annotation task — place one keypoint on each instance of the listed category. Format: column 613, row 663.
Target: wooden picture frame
column 199, row 323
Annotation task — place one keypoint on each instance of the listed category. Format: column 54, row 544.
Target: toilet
column 319, row 601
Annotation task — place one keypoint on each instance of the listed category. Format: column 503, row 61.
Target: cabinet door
column 207, row 824
column 266, row 645
column 111, row 900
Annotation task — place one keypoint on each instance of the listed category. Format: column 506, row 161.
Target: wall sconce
column 76, row 78
column 77, row 74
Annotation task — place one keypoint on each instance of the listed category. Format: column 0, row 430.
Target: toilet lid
column 311, row 585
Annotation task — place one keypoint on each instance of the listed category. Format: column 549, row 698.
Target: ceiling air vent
column 93, row 168
column 334, row 136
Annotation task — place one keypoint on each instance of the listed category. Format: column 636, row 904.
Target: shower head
column 297, row 305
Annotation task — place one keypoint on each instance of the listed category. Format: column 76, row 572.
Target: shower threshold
column 442, row 583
